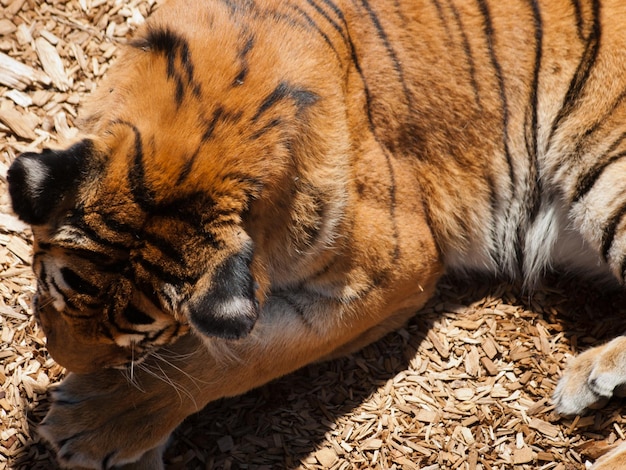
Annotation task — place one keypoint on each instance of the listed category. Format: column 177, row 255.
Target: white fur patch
column 58, row 301
column 235, row 306
column 36, row 175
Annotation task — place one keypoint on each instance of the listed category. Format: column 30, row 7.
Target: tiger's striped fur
column 288, row 180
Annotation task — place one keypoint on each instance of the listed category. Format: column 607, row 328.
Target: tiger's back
column 288, row 181
column 511, row 113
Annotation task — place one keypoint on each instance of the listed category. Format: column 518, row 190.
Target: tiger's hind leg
column 592, row 378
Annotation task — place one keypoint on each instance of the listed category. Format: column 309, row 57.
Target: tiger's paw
column 592, row 378
column 106, row 424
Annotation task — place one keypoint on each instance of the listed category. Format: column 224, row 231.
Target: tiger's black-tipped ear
column 38, row 182
column 228, row 308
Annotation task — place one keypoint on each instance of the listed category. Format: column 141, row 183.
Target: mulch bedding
column 466, row 385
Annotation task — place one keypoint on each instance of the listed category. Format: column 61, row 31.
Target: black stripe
column 337, row 11
column 43, row 272
column 333, row 23
column 77, row 219
column 167, row 276
column 188, row 67
column 95, row 257
column 392, row 207
column 312, row 24
column 468, row 53
column 279, row 93
column 209, row 129
column 602, row 120
column 608, row 234
column 68, row 303
column 105, row 463
column 243, row 59
column 295, row 306
column 579, row 19
column 302, row 98
column 368, row 101
column 531, row 144
column 273, row 124
column 355, row 61
column 587, row 180
column 532, row 128
column 397, row 65
column 209, row 126
column 489, row 34
column 164, row 246
column 192, row 209
column 136, row 316
column 142, row 195
column 120, row 329
column 106, row 332
column 577, row 85
column 187, row 167
column 442, row 19
column 153, row 337
column 78, row 283
column 96, row 238
column 173, row 47
column 118, row 226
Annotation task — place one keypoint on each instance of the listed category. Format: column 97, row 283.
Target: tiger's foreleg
column 114, row 418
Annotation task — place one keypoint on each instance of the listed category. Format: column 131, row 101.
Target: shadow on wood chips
column 358, row 412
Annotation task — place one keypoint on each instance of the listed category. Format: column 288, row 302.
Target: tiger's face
column 90, row 307
column 120, row 276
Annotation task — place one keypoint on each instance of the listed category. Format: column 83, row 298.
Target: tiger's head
column 197, row 149
column 120, row 274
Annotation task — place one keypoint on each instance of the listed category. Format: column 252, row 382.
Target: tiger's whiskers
column 132, row 361
column 162, row 376
column 170, row 363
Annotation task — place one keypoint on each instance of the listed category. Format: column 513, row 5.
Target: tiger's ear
column 38, row 182
column 226, row 307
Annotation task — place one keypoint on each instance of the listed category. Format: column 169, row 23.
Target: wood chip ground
column 466, row 385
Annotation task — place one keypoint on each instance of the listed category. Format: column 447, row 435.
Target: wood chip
column 20, row 248
column 426, row 416
column 14, row 74
column 52, row 63
column 523, row 455
column 490, row 348
column 464, row 394
column 22, row 124
column 7, row 27
column 441, row 348
column 489, row 366
column 225, row 443
column 544, row 427
column 326, row 457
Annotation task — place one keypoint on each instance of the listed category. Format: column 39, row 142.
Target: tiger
column 262, row 184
